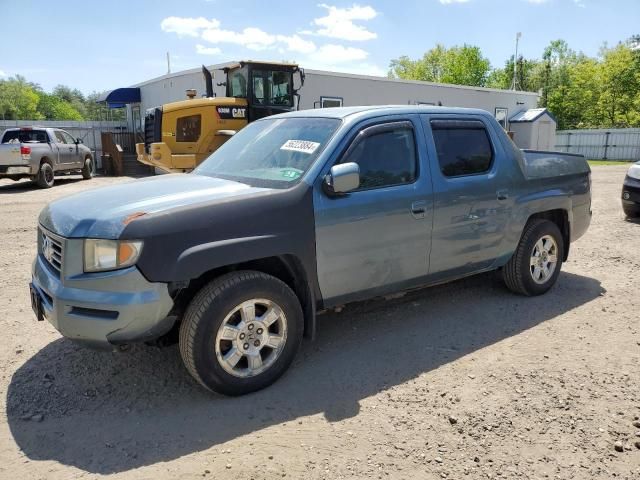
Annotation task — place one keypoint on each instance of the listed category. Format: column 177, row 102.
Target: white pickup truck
column 41, row 153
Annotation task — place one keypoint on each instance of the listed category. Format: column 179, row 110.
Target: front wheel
column 631, row 211
column 535, row 265
column 241, row 332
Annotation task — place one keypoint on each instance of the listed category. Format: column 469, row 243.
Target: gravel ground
column 460, row 379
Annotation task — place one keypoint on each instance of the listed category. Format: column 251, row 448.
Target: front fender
column 199, row 259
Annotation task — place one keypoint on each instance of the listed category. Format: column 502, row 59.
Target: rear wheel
column 45, row 176
column 87, row 169
column 241, row 332
column 535, row 265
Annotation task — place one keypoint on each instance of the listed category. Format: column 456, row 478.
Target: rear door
column 471, row 191
column 376, row 239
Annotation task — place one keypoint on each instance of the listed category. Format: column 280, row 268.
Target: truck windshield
column 25, row 136
column 271, row 153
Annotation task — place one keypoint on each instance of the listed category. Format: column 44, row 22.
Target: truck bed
column 543, row 164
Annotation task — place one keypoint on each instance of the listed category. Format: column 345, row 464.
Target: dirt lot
column 461, row 379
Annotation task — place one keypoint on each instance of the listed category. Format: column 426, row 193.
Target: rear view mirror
column 342, row 178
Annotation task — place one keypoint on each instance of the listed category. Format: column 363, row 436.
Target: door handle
column 502, row 194
column 419, row 209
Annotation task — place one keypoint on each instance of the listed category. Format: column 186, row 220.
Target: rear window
column 463, row 147
column 25, row 136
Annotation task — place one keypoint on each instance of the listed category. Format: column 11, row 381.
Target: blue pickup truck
column 299, row 213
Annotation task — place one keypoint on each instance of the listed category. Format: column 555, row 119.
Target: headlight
column 101, row 255
column 634, row 171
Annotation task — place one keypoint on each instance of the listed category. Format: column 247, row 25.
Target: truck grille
column 51, row 247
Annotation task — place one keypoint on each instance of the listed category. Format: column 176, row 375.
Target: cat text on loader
column 180, row 135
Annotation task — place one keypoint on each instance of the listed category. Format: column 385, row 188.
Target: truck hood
column 104, row 212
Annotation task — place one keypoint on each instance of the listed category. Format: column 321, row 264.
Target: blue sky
column 104, row 45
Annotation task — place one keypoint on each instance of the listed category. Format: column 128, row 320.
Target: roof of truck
column 379, row 110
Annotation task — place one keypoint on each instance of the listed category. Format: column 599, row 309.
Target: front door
column 376, row 239
column 472, row 201
column 65, row 151
column 75, row 154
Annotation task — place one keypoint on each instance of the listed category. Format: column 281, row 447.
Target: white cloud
column 3, row 74
column 251, row 37
column 202, row 50
column 338, row 54
column 538, row 2
column 184, row 26
column 339, row 23
column 296, row 44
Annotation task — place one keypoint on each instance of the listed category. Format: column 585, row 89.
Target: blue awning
column 120, row 97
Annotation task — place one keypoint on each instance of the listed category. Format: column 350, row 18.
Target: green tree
column 52, row 107
column 18, row 100
column 620, row 86
column 528, row 74
column 73, row 96
column 460, row 65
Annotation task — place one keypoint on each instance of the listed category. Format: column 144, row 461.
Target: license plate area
column 36, row 302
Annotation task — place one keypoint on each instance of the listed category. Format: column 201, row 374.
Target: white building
column 330, row 89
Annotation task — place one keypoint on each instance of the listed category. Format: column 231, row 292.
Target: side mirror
column 342, row 178
column 78, row 140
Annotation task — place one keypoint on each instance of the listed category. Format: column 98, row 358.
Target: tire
column 46, row 176
column 87, row 169
column 522, row 274
column 209, row 351
column 631, row 211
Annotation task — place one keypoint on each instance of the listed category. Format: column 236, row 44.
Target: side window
column 68, row 138
column 328, row 102
column 463, row 147
column 59, row 136
column 385, row 158
column 188, row 128
column 237, row 86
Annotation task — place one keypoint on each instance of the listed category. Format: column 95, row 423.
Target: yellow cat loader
column 180, row 135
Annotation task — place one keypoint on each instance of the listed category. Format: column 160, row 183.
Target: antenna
column 168, row 63
column 514, row 83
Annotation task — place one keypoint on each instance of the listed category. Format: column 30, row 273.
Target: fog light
column 626, row 195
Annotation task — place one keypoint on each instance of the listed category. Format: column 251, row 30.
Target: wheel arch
column 287, row 268
column 560, row 217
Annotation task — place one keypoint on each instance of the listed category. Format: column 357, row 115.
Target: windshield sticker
column 292, row 174
column 303, row 146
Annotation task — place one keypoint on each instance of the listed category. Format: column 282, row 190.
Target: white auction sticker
column 304, row 146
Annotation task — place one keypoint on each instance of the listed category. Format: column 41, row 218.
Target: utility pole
column 168, row 64
column 514, row 84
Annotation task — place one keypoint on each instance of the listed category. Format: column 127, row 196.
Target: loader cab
column 269, row 88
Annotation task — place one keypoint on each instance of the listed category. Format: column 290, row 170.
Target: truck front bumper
column 631, row 196
column 101, row 309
